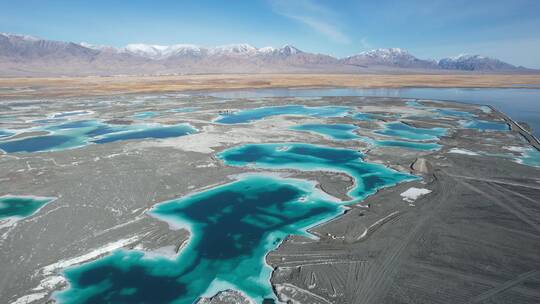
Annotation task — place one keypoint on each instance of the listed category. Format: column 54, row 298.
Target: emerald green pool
column 332, row 131
column 250, row 115
column 343, row 132
column 13, row 206
column 307, row 157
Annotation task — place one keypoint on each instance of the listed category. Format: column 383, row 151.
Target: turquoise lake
column 233, row 227
column 530, row 157
column 364, row 116
column 455, row 113
column 332, row 131
column 368, row 177
column 343, row 132
column 483, row 125
column 404, row 131
column 21, row 206
column 250, row 115
column 4, row 133
column 76, row 134
column 145, row 115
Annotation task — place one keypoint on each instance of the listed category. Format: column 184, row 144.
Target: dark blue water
column 36, row 144
column 520, row 104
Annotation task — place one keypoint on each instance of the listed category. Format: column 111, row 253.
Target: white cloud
column 317, row 17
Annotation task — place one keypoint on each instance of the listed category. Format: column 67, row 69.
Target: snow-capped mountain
column 22, row 55
column 475, row 63
column 166, row 51
column 161, row 51
column 394, row 57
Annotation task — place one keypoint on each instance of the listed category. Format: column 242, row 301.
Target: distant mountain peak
column 154, row 51
column 385, row 52
column 289, row 49
column 468, row 62
column 234, row 49
column 395, row 57
column 24, row 55
column 23, row 37
column 467, row 56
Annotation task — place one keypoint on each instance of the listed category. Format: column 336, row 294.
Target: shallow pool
column 454, row 113
column 12, row 206
column 332, row 131
column 4, row 133
column 529, row 157
column 404, row 131
column 343, row 132
column 484, row 125
column 250, row 115
column 145, row 115
column 76, row 134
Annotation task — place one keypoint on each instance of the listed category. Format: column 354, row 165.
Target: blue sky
column 506, row 29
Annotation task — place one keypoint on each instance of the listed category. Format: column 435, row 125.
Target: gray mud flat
column 475, row 238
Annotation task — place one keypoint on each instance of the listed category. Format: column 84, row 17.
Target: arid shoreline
column 95, row 86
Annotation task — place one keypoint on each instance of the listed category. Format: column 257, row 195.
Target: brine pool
column 342, row 132
column 483, row 125
column 232, row 226
column 13, row 207
column 401, row 130
column 76, row 134
column 250, row 115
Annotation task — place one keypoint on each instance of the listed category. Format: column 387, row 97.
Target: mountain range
column 22, row 55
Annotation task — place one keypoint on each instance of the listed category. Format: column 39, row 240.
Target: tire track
column 503, row 287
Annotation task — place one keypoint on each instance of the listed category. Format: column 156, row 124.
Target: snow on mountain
column 99, row 47
column 22, row 37
column 161, row 51
column 474, row 63
column 158, row 52
column 388, row 57
column 23, row 55
column 233, row 49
